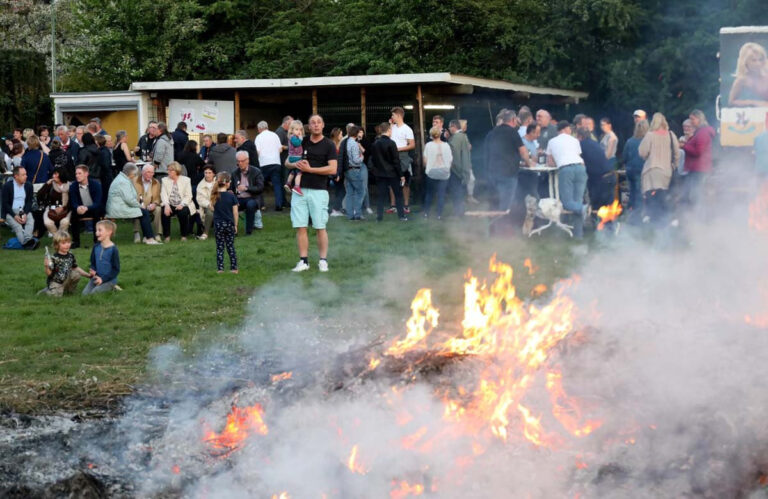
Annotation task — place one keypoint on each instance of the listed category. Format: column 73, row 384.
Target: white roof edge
column 744, row 29
column 324, row 81
column 115, row 93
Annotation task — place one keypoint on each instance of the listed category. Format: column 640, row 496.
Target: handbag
column 35, row 204
column 57, row 217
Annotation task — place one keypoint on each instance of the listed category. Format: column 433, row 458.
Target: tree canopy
column 652, row 54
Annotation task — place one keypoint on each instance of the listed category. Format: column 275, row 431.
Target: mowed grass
column 79, row 352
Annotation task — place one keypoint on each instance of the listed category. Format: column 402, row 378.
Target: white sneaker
column 301, row 267
column 322, row 266
column 151, row 241
column 369, row 211
column 136, row 238
column 203, row 236
column 336, row 213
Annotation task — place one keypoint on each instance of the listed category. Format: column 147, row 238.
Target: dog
column 549, row 209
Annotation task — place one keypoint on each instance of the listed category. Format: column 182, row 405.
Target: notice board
column 202, row 116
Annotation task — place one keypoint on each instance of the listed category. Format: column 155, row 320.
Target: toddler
column 61, row 268
column 295, row 153
column 105, row 260
column 225, row 218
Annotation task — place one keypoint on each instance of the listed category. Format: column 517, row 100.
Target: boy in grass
column 105, row 260
column 61, row 267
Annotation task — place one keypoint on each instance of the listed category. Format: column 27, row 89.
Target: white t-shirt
column 438, row 159
column 268, row 146
column 401, row 135
column 565, row 149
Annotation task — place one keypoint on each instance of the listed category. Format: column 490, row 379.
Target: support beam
column 314, row 101
column 362, row 107
column 199, row 95
column 237, row 110
column 420, row 134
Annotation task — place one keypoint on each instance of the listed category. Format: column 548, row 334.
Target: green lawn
column 80, row 352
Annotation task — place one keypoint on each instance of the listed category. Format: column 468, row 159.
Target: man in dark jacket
column 222, row 155
column 180, row 138
column 105, row 167
column 601, row 178
column 89, row 155
column 386, row 169
column 17, row 207
column 504, row 150
column 247, row 145
column 248, row 184
column 85, row 201
column 147, row 141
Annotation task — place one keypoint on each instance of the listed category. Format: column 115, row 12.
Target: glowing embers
column 242, row 422
column 608, row 213
column 758, row 210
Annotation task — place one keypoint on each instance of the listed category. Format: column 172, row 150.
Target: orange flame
column 282, row 376
column 530, row 266
column 281, row 495
column 353, row 464
column 608, row 213
column 404, row 489
column 176, row 469
column 241, row 422
column 517, row 340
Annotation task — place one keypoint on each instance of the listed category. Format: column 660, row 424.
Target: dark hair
column 531, row 128
column 353, row 131
column 100, row 140
column 454, row 123
column 17, row 169
column 221, row 138
column 18, row 130
column 191, row 146
column 182, row 125
column 209, row 166
column 582, row 133
column 605, row 120
column 41, row 128
column 383, row 127
column 17, row 148
column 62, row 173
column 438, row 117
column 579, row 118
column 398, row 110
column 88, row 139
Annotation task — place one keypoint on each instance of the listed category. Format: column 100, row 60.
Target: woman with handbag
column 53, row 198
column 661, row 152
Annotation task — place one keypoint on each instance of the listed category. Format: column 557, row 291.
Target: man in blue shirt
column 17, row 207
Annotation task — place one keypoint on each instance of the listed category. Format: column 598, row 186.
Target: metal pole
column 53, row 46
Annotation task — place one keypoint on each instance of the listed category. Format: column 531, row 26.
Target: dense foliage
column 24, row 100
column 653, row 54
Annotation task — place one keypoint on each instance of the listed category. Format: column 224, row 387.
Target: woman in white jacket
column 437, row 159
column 176, row 199
column 203, row 197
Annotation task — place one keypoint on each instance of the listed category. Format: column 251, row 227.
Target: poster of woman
column 750, row 89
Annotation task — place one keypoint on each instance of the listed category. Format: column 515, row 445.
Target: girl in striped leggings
column 225, row 216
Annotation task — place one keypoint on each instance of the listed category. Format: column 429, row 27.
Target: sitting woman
column 123, row 201
column 203, row 197
column 56, row 215
column 176, row 198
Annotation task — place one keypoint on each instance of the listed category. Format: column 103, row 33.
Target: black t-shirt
column 504, row 143
column 62, row 266
column 319, row 155
column 222, row 210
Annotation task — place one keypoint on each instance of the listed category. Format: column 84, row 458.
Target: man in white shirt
column 269, row 147
column 403, row 137
column 564, row 151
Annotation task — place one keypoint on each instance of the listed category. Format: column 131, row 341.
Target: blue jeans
column 364, row 177
column 435, row 188
column 271, row 174
column 457, row 192
column 92, row 288
column 635, row 190
column 250, row 205
column 505, row 189
column 353, row 179
column 573, row 182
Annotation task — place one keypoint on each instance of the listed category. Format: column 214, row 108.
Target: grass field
column 79, row 352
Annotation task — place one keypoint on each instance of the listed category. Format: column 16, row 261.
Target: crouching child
column 61, row 267
column 105, row 260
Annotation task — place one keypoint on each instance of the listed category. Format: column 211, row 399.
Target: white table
column 551, row 171
column 551, row 213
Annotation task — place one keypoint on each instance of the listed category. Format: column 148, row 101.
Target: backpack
column 13, row 244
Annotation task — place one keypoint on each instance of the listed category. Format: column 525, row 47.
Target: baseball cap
column 640, row 113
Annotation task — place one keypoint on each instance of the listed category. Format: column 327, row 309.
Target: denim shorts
column 314, row 203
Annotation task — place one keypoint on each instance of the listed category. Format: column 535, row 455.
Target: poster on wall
column 743, row 84
column 203, row 116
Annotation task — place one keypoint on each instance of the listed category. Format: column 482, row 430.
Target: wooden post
column 237, row 110
column 199, row 95
column 420, row 134
column 314, row 101
column 362, row 107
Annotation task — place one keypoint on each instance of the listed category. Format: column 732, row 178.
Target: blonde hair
column 59, row 237
column 659, row 122
column 33, row 142
column 641, row 128
column 109, row 225
column 701, row 117
column 296, row 125
column 175, row 166
column 222, row 179
column 434, row 132
column 745, row 51
column 26, row 133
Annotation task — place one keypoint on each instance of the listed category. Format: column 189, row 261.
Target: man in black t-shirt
column 318, row 162
column 505, row 149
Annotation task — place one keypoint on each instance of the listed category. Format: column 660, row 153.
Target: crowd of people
column 79, row 177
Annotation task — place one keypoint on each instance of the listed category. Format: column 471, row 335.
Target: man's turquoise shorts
column 314, row 204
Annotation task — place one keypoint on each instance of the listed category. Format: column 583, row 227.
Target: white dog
column 549, row 209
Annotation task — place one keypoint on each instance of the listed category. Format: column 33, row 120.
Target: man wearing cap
column 564, row 151
column 639, row 115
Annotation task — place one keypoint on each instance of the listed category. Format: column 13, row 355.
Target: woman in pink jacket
column 698, row 156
